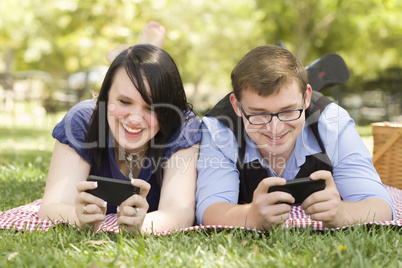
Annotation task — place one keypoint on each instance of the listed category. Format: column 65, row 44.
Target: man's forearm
column 367, row 210
column 224, row 213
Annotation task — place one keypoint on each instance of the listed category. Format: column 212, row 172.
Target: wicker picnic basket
column 387, row 152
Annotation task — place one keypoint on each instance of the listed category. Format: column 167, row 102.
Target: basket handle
column 386, row 145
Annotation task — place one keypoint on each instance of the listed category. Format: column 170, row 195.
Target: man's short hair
column 265, row 69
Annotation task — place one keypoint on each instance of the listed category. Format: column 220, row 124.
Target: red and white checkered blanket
column 25, row 218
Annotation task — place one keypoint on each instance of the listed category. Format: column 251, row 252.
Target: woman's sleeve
column 185, row 137
column 73, row 128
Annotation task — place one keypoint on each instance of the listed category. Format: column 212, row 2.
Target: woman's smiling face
column 131, row 120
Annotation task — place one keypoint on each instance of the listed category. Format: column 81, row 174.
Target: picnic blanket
column 25, row 218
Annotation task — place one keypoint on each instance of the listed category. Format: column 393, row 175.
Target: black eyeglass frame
column 273, row 114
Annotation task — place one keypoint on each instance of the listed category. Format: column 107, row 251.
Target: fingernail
column 118, row 209
column 95, row 184
column 104, row 204
column 132, row 181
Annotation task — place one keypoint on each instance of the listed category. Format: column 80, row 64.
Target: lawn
column 24, row 159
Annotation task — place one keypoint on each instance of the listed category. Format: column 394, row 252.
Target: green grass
column 66, row 247
column 24, row 162
column 365, row 131
column 24, row 159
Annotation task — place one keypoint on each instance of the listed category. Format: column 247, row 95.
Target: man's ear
column 308, row 93
column 235, row 104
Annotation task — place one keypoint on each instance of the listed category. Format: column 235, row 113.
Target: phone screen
column 300, row 188
column 113, row 191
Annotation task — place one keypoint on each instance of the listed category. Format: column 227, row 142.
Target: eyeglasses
column 265, row 118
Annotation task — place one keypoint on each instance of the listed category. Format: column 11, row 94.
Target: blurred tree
column 15, row 19
column 366, row 33
column 64, row 36
column 205, row 38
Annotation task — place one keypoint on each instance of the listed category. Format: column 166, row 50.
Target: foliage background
column 206, row 38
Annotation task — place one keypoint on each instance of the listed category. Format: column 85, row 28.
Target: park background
column 52, row 55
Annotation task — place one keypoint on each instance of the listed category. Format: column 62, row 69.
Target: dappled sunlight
column 27, row 133
column 26, row 143
column 368, row 141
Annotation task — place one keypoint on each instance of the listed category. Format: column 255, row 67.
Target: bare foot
column 112, row 54
column 154, row 34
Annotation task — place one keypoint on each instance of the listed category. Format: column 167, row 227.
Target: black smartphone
column 113, row 191
column 300, row 188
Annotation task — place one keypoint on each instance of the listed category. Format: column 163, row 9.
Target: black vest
column 252, row 173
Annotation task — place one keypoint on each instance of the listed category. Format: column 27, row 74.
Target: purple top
column 73, row 129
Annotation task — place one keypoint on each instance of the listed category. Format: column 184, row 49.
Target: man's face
column 276, row 138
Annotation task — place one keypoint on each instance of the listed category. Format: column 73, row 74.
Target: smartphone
column 113, row 191
column 300, row 188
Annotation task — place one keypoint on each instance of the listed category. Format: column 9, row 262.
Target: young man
column 274, row 128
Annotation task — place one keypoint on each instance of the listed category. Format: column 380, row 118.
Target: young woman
column 140, row 128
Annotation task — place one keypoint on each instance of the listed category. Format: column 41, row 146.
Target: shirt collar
column 252, row 153
column 306, row 144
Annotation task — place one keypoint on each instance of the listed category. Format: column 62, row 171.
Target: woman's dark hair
column 166, row 95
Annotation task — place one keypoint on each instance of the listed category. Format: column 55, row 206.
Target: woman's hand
column 131, row 213
column 90, row 210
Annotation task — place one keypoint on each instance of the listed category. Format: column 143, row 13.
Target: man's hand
column 325, row 205
column 268, row 209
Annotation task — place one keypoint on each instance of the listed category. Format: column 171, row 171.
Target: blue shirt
column 73, row 129
column 353, row 171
